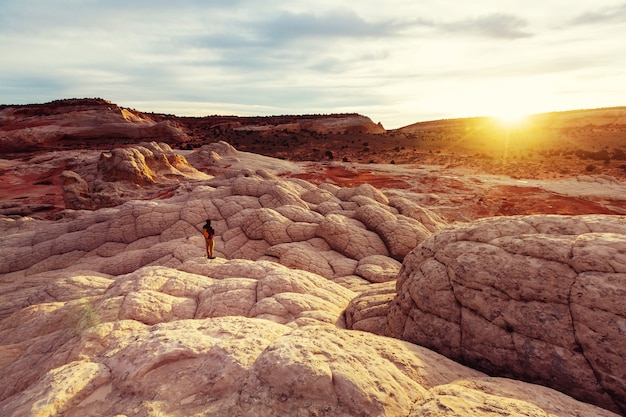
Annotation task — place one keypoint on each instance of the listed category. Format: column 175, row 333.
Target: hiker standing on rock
column 208, row 232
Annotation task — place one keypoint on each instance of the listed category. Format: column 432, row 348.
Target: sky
column 397, row 62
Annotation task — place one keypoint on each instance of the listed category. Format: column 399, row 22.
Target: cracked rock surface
column 117, row 311
column 538, row 298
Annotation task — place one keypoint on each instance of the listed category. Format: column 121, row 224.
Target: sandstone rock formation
column 117, row 311
column 87, row 121
column 221, row 158
column 345, row 123
column 76, row 192
column 142, row 171
column 146, row 163
column 537, row 298
column 348, row 124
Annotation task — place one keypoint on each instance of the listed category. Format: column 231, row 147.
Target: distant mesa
column 75, row 123
column 79, row 123
column 560, row 119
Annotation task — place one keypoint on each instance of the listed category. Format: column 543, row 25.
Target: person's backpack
column 208, row 233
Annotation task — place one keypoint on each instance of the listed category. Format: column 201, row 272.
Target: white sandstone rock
column 118, row 312
column 534, row 297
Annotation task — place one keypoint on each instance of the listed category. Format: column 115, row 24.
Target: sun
column 511, row 115
column 508, row 102
column 511, row 119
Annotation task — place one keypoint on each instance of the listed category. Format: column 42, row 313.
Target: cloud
column 20, row 88
column 287, row 27
column 332, row 24
column 51, row 17
column 329, row 42
column 499, row 26
column 607, row 15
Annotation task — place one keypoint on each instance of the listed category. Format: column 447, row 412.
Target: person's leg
column 210, row 246
column 208, row 252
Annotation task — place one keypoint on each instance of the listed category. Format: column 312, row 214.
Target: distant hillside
column 558, row 144
column 94, row 123
column 589, row 130
column 80, row 124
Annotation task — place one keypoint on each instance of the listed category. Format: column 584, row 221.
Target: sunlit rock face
column 348, row 124
column 338, row 123
column 125, row 173
column 144, row 164
column 257, row 216
column 117, row 311
column 538, row 298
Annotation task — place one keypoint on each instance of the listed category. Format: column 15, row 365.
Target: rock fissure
column 459, row 305
column 580, row 349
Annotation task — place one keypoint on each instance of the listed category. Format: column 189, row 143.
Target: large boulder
column 76, row 192
column 539, row 298
column 350, row 237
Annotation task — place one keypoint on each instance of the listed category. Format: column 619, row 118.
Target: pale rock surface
column 146, row 163
column 268, row 225
column 117, row 311
column 317, row 196
column 60, row 390
column 535, row 297
column 76, row 193
column 401, row 234
column 228, row 297
column 221, row 158
column 368, row 311
column 350, row 237
column 354, row 283
column 315, row 256
column 378, row 268
column 427, row 218
column 365, row 190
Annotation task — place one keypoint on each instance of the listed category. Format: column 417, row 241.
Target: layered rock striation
column 80, row 123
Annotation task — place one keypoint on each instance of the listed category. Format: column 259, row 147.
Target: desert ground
column 447, row 268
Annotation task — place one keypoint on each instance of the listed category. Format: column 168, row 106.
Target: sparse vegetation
column 554, row 144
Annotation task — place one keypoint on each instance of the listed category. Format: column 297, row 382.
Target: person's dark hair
column 208, row 222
